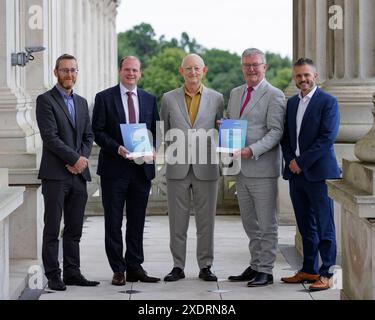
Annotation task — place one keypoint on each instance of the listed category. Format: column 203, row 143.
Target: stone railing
column 10, row 199
column 226, row 204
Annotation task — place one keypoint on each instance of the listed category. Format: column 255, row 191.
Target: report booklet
column 136, row 140
column 232, row 135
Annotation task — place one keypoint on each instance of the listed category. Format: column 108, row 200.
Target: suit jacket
column 175, row 116
column 265, row 123
column 317, row 135
column 107, row 116
column 63, row 143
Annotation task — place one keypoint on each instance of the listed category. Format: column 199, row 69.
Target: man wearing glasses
column 192, row 108
column 262, row 105
column 64, row 124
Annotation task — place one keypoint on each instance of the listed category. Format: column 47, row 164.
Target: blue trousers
column 314, row 215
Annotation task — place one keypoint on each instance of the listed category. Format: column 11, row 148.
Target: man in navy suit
column 122, row 178
column 311, row 127
column 64, row 124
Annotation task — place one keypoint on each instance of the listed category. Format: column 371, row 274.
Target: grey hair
column 199, row 58
column 253, row 51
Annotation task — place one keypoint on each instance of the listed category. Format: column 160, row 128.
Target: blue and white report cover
column 136, row 140
column 232, row 135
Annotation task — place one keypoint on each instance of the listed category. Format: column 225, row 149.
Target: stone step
column 24, row 160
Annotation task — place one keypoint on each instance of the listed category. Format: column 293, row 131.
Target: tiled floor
column 231, row 257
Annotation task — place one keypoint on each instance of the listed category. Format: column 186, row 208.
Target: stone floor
column 231, row 257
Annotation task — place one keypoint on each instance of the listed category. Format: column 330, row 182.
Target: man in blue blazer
column 122, row 178
column 311, row 127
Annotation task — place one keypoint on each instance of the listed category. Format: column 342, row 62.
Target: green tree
column 279, row 71
column 282, row 78
column 161, row 75
column 224, row 71
column 139, row 41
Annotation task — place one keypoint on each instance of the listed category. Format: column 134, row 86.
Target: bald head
column 192, row 58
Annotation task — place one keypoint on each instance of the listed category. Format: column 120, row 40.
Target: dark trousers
column 314, row 214
column 68, row 196
column 134, row 190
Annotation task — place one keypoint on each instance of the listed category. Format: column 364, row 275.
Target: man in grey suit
column 262, row 105
column 185, row 110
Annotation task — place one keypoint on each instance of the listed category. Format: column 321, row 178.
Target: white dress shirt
column 124, row 98
column 302, row 106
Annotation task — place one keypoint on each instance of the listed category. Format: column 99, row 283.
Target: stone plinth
column 356, row 195
column 10, row 200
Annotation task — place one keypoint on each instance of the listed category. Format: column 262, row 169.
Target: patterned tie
column 248, row 96
column 131, row 109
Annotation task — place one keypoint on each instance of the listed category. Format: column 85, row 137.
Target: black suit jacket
column 63, row 143
column 107, row 116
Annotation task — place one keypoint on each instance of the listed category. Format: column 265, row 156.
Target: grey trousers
column 204, row 197
column 257, row 201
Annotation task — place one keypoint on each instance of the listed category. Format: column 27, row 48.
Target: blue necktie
column 70, row 105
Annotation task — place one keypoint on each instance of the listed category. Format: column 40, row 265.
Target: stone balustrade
column 10, row 199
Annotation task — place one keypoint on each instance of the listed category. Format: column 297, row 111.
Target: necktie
column 131, row 109
column 248, row 96
column 70, row 105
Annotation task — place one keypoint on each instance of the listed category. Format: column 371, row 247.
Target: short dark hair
column 129, row 57
column 303, row 62
column 65, row 56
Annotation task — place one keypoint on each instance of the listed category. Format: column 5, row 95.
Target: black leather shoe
column 248, row 275
column 175, row 274
column 206, row 274
column 118, row 279
column 261, row 279
column 140, row 275
column 80, row 280
column 55, row 283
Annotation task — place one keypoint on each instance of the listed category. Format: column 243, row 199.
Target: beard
column 66, row 83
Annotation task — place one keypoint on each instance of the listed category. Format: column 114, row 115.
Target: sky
column 232, row 25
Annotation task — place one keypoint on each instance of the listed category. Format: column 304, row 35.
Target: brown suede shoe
column 301, row 277
column 118, row 279
column 322, row 283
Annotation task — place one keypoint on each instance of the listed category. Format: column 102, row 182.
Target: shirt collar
column 258, row 85
column 308, row 96
column 199, row 91
column 62, row 92
column 124, row 90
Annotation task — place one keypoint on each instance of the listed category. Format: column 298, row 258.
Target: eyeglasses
column 190, row 69
column 66, row 71
column 249, row 65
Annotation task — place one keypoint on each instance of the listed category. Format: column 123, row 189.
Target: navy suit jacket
column 63, row 143
column 107, row 116
column 318, row 132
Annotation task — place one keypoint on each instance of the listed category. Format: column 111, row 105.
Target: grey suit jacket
column 265, row 115
column 175, row 116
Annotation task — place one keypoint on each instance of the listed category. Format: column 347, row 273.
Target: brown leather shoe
column 301, row 277
column 118, row 279
column 322, row 283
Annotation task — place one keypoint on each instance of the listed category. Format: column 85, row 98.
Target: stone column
column 352, row 71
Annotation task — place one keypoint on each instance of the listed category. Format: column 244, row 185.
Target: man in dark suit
column 65, row 128
column 311, row 127
column 123, row 179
